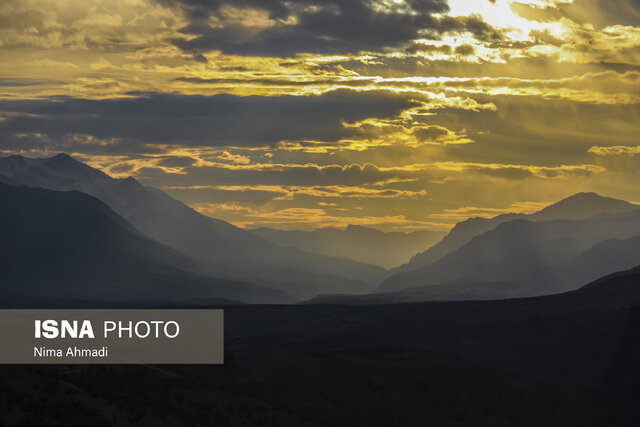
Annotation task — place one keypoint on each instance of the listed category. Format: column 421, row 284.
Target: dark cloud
column 311, row 175
column 525, row 67
column 278, row 81
column 429, row 133
column 177, row 162
column 465, row 49
column 198, row 57
column 428, row 48
column 473, row 24
column 538, row 69
column 505, row 172
column 13, row 82
column 220, row 120
column 545, row 37
column 21, row 19
column 302, row 175
column 330, row 26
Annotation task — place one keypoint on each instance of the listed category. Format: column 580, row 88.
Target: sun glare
column 500, row 14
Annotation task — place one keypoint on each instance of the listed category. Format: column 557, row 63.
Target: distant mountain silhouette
column 586, row 264
column 608, row 256
column 237, row 253
column 619, row 282
column 386, row 249
column 71, row 246
column 579, row 206
column 539, row 256
column 582, row 206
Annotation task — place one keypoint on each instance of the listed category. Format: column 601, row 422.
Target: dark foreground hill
column 527, row 362
column 70, row 246
column 624, row 374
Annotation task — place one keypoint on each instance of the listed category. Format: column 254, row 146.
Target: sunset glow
column 399, row 115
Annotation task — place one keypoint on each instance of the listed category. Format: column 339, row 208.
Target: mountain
column 355, row 242
column 576, row 207
column 582, row 206
column 554, row 267
column 608, row 256
column 615, row 283
column 537, row 257
column 237, row 253
column 459, row 235
column 71, row 246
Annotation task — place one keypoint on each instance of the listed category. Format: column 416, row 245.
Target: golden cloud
column 615, row 150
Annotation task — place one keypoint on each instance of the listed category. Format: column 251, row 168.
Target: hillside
column 68, row 245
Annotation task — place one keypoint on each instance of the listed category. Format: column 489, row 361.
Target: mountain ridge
column 521, row 249
column 237, row 253
column 71, row 245
column 356, row 242
column 582, row 206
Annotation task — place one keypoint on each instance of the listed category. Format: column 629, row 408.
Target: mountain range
column 556, row 249
column 70, row 246
column 368, row 245
column 522, row 255
column 547, row 254
column 576, row 207
column 236, row 253
column 564, row 358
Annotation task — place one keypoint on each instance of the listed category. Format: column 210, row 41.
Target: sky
column 395, row 114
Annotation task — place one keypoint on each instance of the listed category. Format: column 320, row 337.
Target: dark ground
column 546, row 361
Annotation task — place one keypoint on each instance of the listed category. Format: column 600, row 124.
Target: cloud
column 464, row 49
column 50, row 63
column 311, row 218
column 19, row 82
column 460, row 214
column 220, row 195
column 286, row 28
column 309, row 175
column 220, row 120
column 367, row 109
column 598, row 12
column 473, row 24
column 339, row 180
column 615, row 150
column 103, row 25
column 428, row 48
column 261, row 194
column 519, row 172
